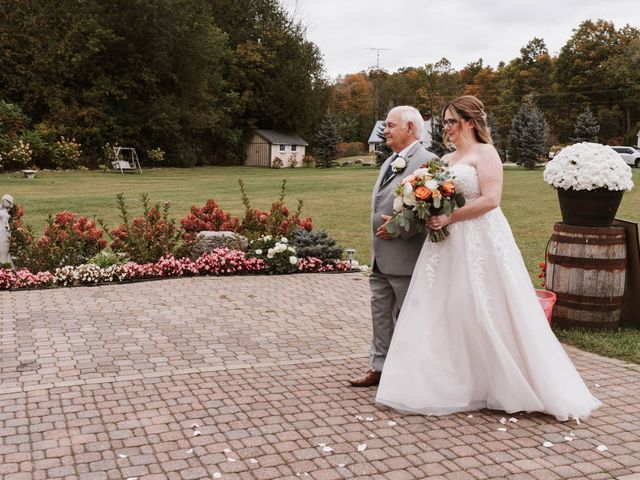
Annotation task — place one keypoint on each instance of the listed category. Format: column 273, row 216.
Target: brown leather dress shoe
column 370, row 379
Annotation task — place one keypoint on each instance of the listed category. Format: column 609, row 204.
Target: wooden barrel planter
column 586, row 269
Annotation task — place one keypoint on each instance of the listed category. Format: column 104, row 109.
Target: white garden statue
column 5, row 230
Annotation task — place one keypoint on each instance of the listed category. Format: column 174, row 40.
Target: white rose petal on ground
column 359, row 417
column 253, row 460
column 122, row 455
column 229, row 459
column 372, row 435
column 327, row 449
column 341, row 465
column 597, row 386
column 547, row 444
column 569, row 439
column 194, row 426
column 503, row 420
column 227, row 450
column 469, row 416
column 391, row 423
column 602, row 448
column 369, row 419
column 217, row 475
column 502, row 429
column 362, row 447
column 197, row 433
column 190, row 450
column 513, row 420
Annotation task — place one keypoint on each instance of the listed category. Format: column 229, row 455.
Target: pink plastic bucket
column 547, row 300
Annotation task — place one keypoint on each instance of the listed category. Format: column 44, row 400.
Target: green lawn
column 337, row 199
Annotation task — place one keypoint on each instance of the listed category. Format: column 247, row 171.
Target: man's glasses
column 450, row 122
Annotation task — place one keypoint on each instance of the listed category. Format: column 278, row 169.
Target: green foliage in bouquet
column 317, row 244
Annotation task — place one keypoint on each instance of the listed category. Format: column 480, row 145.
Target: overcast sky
column 423, row 31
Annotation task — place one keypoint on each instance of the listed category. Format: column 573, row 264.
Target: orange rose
column 422, row 193
column 448, row 188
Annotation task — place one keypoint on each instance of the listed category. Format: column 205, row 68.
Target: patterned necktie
column 389, row 172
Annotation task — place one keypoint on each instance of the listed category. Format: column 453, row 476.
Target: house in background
column 375, row 140
column 266, row 145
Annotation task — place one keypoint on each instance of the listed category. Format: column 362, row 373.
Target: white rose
column 270, row 253
column 398, row 206
column 409, row 199
column 398, row 164
column 284, row 240
column 259, row 251
column 293, row 260
column 431, row 185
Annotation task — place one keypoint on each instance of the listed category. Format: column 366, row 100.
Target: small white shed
column 265, row 146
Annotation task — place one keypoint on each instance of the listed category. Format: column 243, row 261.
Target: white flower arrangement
column 399, row 164
column 588, row 166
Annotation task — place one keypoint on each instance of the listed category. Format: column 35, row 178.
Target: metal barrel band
column 617, row 240
column 570, row 297
column 608, row 264
column 564, row 322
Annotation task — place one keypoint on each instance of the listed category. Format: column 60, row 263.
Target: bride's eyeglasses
column 449, row 122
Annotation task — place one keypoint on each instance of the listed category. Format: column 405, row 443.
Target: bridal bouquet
column 427, row 191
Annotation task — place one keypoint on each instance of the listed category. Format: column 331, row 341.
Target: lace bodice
column 466, row 180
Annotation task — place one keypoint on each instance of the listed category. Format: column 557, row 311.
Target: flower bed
column 221, row 261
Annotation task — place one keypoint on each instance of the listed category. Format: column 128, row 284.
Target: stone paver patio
column 246, row 378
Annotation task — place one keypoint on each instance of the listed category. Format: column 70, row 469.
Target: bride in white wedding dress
column 471, row 333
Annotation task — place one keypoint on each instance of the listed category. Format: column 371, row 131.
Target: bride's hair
column 469, row 108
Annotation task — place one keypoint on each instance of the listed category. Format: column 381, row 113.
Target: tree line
column 597, row 70
column 194, row 78
column 191, row 77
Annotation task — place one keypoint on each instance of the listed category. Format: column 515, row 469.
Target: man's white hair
column 410, row 114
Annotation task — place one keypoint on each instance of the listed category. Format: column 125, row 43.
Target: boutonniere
column 399, row 164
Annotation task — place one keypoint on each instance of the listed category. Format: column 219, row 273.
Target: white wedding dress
column 472, row 333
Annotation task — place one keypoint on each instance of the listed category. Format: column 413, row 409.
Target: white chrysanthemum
column 259, row 251
column 284, row 240
column 588, row 166
column 293, row 260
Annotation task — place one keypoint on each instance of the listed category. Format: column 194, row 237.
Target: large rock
column 207, row 241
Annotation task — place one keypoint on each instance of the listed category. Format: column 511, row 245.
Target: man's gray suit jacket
column 397, row 256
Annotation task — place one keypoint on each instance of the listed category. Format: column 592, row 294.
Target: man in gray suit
column 392, row 259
